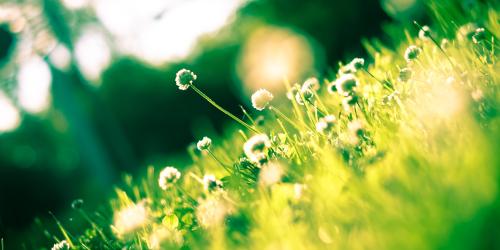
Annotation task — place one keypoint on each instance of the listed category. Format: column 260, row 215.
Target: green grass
column 422, row 173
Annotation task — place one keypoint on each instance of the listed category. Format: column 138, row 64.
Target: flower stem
column 222, row 109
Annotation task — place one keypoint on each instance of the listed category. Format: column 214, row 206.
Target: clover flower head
column 311, row 83
column 261, row 98
column 412, row 52
column 256, row 148
column 61, row 245
column 212, row 211
column 445, row 43
column 210, row 183
column 357, row 64
column 184, row 78
column 466, row 31
column 293, row 92
column 271, row 173
column 425, row 33
column 129, row 219
column 168, row 177
column 345, row 84
column 405, row 74
column 307, row 94
column 479, row 35
column 355, row 127
column 204, row 143
column 325, row 124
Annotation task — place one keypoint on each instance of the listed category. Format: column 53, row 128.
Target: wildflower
column 345, row 84
column 261, row 98
column 270, row 174
column 412, row 52
column 355, row 128
column 349, row 101
column 466, row 31
column 165, row 238
column 204, row 143
column 425, row 33
column 311, row 83
column 405, row 74
column 307, row 94
column 293, row 92
column 445, row 43
column 130, row 219
column 210, row 183
column 62, row 245
column 477, row 95
column 184, row 78
column 479, row 35
column 77, row 204
column 168, row 176
column 256, row 148
column 325, row 124
column 212, row 211
column 357, row 64
column 332, row 87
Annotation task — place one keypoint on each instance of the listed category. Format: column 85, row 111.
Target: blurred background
column 87, row 87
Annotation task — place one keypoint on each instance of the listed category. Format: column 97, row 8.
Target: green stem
column 218, row 161
column 222, row 109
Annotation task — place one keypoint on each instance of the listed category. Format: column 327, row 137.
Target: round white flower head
column 325, row 124
column 466, row 31
column 425, row 33
column 204, row 143
column 405, row 74
column 307, row 94
column 270, row 174
column 357, row 64
column 412, row 52
column 61, row 245
column 445, row 43
column 293, row 91
column 261, row 98
column 184, row 78
column 210, row 183
column 129, row 219
column 256, row 147
column 311, row 83
column 479, row 35
column 345, row 84
column 212, row 211
column 355, row 127
column 168, row 176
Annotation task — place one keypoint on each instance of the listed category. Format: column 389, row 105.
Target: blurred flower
column 256, row 148
column 210, row 183
column 349, row 101
column 270, row 173
column 345, row 84
column 412, row 52
column 477, row 95
column 9, row 115
column 479, row 35
column 62, row 245
column 92, row 53
column 293, row 92
column 204, row 143
column 405, row 74
column 325, row 124
column 212, row 210
column 184, row 78
column 261, row 98
column 425, row 33
column 129, row 219
column 168, row 177
column 466, row 31
column 34, row 80
column 444, row 43
column 311, row 83
column 357, row 64
column 307, row 94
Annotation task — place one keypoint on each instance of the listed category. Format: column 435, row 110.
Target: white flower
column 261, row 98
column 307, row 94
column 210, row 183
column 405, row 74
column 412, row 52
column 355, row 127
column 311, row 83
column 425, row 33
column 62, row 245
column 466, row 31
column 325, row 124
column 184, row 78
column 293, row 91
column 256, row 147
column 204, row 143
column 212, row 211
column 345, row 84
column 479, row 35
column 445, row 43
column 129, row 219
column 357, row 64
column 270, row 174
column 168, row 176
